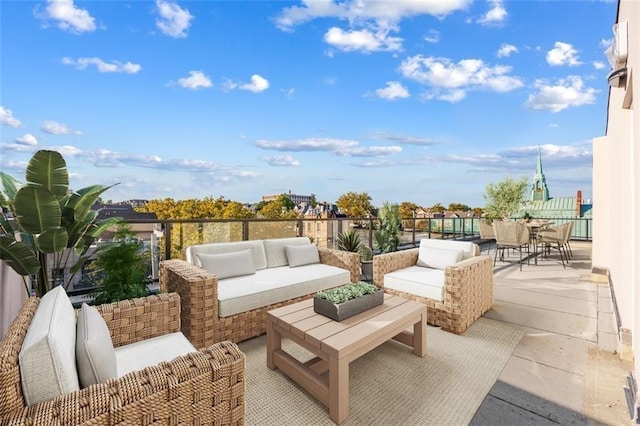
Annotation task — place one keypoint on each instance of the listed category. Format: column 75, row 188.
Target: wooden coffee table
column 336, row 344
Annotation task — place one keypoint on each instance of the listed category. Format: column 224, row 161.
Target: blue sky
column 424, row 101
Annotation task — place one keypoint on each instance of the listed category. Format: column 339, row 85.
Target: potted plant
column 366, row 262
column 348, row 300
column 349, row 241
column 44, row 220
column 387, row 238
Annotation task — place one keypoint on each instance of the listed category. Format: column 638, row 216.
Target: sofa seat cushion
column 47, row 358
column 274, row 285
column 418, row 280
column 256, row 247
column 150, row 352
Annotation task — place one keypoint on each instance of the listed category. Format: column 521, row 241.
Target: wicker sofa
column 203, row 323
column 203, row 387
column 466, row 290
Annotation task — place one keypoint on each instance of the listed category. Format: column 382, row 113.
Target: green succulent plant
column 347, row 292
column 44, row 218
column 349, row 241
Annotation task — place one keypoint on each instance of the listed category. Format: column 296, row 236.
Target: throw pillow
column 95, row 355
column 302, row 255
column 438, row 258
column 47, row 358
column 227, row 265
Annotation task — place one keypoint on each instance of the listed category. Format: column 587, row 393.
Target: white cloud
column 563, row 54
column 599, row 65
column 196, row 80
column 403, row 139
column 340, row 147
column 288, row 92
column 258, row 84
column 362, row 40
column 566, row 93
column 606, row 42
column 27, row 140
column 7, row 118
column 450, row 81
column 102, row 66
column 67, row 16
column 496, row 14
column 506, row 50
column 394, row 90
column 433, row 36
column 174, row 21
column 56, row 128
column 281, row 161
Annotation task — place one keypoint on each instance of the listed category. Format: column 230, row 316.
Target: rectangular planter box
column 341, row 311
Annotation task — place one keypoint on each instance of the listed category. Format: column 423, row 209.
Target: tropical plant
column 387, row 238
column 505, row 198
column 365, row 252
column 349, row 241
column 124, row 269
column 44, row 220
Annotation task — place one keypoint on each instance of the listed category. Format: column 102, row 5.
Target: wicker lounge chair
column 204, row 387
column 468, row 288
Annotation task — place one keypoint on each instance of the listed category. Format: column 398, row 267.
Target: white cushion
column 95, row 356
column 47, row 358
column 438, row 258
column 273, row 285
column 417, row 280
column 468, row 247
column 302, row 255
column 256, row 247
column 275, row 249
column 226, row 265
column 150, row 352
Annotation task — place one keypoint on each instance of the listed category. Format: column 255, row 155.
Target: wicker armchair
column 205, row 387
column 198, row 290
column 468, row 288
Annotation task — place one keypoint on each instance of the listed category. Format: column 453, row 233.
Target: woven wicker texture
column 206, row 387
column 198, row 290
column 468, row 288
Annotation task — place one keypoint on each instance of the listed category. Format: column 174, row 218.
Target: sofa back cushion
column 276, row 252
column 95, row 356
column 48, row 355
column 300, row 255
column 468, row 248
column 438, row 258
column 256, row 247
column 226, row 265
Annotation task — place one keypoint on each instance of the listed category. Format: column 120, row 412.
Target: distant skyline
column 422, row 101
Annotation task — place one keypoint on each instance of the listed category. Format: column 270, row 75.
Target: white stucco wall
column 616, row 180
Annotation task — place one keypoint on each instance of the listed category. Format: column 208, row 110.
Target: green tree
column 312, row 201
column 438, row 208
column 277, row 210
column 407, row 209
column 355, row 204
column 505, row 197
column 286, row 202
column 453, row 207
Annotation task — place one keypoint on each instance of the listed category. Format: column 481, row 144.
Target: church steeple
column 539, row 190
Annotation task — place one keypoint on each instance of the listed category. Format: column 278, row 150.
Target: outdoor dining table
column 534, row 226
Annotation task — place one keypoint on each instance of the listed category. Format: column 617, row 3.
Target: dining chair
column 557, row 238
column 487, row 234
column 511, row 235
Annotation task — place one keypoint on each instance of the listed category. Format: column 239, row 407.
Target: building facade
column 296, row 198
column 616, row 187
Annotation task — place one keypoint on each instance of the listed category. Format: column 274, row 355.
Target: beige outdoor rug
column 390, row 385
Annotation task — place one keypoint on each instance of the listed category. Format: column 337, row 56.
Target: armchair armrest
column 468, row 287
column 204, row 387
column 133, row 320
column 389, row 262
column 198, row 290
column 342, row 259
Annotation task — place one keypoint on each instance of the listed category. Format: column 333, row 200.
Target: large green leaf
column 88, row 197
column 77, row 230
column 5, row 226
column 48, row 170
column 53, row 240
column 18, row 256
column 9, row 184
column 36, row 209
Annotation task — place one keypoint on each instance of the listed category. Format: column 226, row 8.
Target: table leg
column 420, row 336
column 338, row 389
column 274, row 343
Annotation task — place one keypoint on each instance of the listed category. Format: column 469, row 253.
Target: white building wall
column 616, row 179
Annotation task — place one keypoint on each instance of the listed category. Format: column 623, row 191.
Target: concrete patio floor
column 565, row 370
